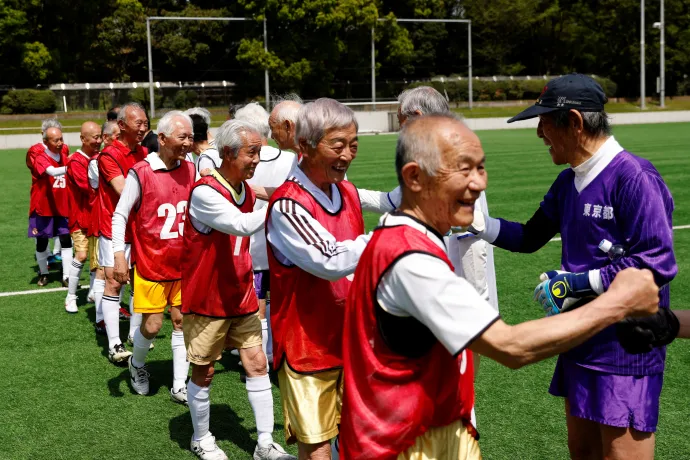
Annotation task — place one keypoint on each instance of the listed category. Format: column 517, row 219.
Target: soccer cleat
column 207, row 449
column 139, row 378
column 130, row 342
column 124, row 313
column 100, row 328
column 273, row 452
column 54, row 259
column 118, row 354
column 43, row 280
column 71, row 304
column 179, row 396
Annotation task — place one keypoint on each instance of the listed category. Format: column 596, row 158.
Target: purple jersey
column 627, row 203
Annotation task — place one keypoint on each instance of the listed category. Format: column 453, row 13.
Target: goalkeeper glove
column 560, row 291
column 641, row 335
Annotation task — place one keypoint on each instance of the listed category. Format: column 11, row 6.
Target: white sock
column 140, row 349
column 261, row 400
column 199, row 409
column 92, row 278
column 135, row 323
column 264, row 334
column 42, row 260
column 98, row 288
column 111, row 316
column 180, row 363
column 57, row 247
column 74, row 275
column 66, row 254
column 122, row 292
column 269, row 332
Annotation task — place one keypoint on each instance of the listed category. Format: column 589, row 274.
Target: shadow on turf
column 225, row 425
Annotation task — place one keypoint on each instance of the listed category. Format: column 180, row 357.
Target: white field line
column 677, row 227
column 43, row 291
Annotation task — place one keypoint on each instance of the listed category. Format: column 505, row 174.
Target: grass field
column 63, row 399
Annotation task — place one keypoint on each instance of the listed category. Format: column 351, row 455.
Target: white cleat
column 71, row 304
column 273, row 452
column 139, row 378
column 206, row 449
column 179, row 396
column 118, row 354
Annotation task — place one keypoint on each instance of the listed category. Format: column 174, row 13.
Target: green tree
column 36, row 61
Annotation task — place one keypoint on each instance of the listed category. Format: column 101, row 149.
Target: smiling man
column 154, row 202
column 410, row 320
column 611, row 396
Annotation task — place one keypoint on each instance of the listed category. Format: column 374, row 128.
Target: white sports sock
column 98, row 288
column 199, row 409
column 57, row 247
column 74, row 275
column 261, row 400
column 92, row 278
column 66, row 254
column 180, row 363
column 135, row 323
column 122, row 292
column 269, row 332
column 111, row 316
column 42, row 260
column 140, row 349
column 264, row 334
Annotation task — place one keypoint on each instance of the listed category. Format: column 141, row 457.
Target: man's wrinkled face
column 329, row 161
column 179, row 143
column 54, row 140
column 109, row 138
column 91, row 140
column 280, row 133
column 247, row 158
column 560, row 140
column 134, row 127
column 448, row 197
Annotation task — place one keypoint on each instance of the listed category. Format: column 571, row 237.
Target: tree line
column 322, row 47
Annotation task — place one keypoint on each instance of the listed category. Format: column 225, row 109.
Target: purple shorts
column 625, row 401
column 47, row 227
column 262, row 283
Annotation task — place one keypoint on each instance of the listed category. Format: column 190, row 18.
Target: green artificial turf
column 63, row 399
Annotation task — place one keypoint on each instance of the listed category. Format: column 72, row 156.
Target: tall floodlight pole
column 268, row 96
column 373, row 67
column 469, row 63
column 152, row 105
column 642, row 63
column 662, row 71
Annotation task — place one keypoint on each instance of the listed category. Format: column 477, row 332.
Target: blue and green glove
column 560, row 291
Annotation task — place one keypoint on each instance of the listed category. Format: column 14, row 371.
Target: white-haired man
column 472, row 257
column 80, row 197
column 114, row 164
column 218, row 289
column 196, row 113
column 282, row 122
column 49, row 207
column 409, row 385
column 315, row 234
column 273, row 169
column 154, row 203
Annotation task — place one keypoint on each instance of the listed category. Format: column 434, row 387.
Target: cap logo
column 561, row 101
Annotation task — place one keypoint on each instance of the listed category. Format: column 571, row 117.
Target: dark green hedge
column 29, row 101
column 501, row 90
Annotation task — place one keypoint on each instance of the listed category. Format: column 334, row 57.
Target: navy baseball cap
column 572, row 91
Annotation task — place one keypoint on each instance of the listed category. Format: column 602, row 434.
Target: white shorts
column 106, row 256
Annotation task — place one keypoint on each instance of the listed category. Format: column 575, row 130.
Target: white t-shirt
column 272, row 171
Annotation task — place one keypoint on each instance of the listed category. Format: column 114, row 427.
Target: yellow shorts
column 311, row 404
column 80, row 241
column 93, row 253
column 451, row 442
column 154, row 296
column 205, row 337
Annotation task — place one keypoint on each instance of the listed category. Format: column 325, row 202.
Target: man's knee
column 254, row 361
column 80, row 257
column 151, row 324
column 319, row 451
column 203, row 375
column 112, row 287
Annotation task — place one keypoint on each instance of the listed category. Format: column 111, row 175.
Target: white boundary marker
column 44, row 291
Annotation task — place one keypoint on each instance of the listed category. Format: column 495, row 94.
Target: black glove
column 641, row 335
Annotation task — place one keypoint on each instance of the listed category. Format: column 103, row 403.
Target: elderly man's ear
column 575, row 119
column 412, row 176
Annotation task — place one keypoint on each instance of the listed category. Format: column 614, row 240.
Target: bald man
column 411, row 320
column 282, row 123
column 79, row 196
